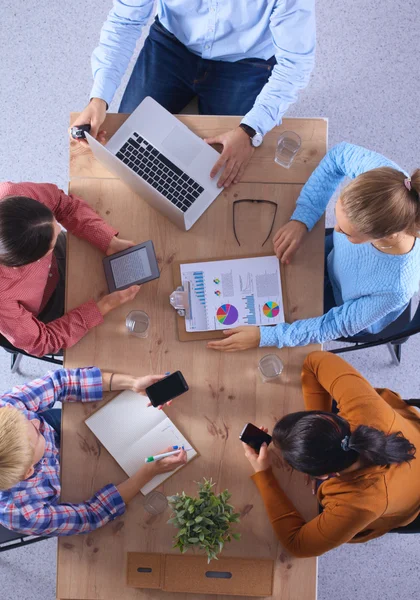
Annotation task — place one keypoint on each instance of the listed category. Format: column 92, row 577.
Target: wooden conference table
column 225, row 389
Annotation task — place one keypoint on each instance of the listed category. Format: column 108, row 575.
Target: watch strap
column 248, row 130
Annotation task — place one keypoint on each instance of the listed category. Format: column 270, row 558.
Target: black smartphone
column 166, row 389
column 78, row 132
column 254, row 436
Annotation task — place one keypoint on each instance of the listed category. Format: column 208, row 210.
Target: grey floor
column 366, row 82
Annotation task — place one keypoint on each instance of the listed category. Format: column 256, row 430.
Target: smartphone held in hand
column 254, row 437
column 166, row 389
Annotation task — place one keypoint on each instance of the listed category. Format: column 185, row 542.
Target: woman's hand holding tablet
column 115, row 299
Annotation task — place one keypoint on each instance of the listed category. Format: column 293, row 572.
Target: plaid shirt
column 33, row 505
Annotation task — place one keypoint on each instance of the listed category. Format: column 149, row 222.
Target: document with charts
column 227, row 293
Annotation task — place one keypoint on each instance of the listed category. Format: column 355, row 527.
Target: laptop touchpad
column 184, row 147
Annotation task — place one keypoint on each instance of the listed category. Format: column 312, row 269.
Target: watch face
column 257, row 140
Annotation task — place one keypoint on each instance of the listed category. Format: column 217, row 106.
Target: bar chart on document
column 229, row 293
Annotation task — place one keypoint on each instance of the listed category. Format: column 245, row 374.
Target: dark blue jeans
column 172, row 75
column 53, row 418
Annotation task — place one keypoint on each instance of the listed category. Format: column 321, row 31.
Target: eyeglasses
column 268, row 202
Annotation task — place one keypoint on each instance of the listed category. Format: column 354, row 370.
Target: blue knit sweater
column 371, row 288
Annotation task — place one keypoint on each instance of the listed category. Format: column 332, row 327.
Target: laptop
column 162, row 161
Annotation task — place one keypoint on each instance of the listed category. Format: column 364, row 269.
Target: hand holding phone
column 254, row 437
column 78, row 131
column 166, row 389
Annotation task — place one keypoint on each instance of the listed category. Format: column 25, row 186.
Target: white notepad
column 131, row 431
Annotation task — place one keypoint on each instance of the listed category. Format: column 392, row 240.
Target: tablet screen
column 130, row 268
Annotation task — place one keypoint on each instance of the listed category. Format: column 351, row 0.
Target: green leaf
column 193, row 540
column 237, row 536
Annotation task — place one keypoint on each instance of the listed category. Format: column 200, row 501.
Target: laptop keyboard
column 152, row 166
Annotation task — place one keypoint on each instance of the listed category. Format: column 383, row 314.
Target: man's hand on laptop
column 237, row 152
column 118, row 245
column 116, row 299
column 94, row 115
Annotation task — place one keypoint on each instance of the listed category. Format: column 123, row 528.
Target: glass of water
column 137, row 323
column 287, row 147
column 270, row 367
column 155, row 503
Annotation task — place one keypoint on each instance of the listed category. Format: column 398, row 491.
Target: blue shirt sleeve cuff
column 111, row 501
column 269, row 336
column 306, row 216
column 103, row 88
column 259, row 121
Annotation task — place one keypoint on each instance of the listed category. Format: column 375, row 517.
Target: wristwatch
column 256, row 138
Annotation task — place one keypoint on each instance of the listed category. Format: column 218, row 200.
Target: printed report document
column 227, row 293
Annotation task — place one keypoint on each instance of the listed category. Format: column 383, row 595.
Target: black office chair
column 11, row 539
column 413, row 527
column 17, row 353
column 393, row 336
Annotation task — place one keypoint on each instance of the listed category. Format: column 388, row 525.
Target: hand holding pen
column 175, row 450
column 173, row 460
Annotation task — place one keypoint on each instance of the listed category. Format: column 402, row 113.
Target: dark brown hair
column 320, row 443
column 26, row 231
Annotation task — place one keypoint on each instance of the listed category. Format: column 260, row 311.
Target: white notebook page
column 131, row 431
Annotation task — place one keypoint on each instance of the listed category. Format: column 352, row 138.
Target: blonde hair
column 16, row 452
column 379, row 202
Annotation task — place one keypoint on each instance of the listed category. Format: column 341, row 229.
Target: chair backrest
column 8, row 536
column 12, row 539
column 412, row 328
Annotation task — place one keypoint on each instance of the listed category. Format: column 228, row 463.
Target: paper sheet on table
column 229, row 293
column 131, row 431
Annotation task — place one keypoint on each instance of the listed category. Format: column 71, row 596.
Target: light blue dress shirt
column 228, row 30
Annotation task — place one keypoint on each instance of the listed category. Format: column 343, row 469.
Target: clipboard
column 179, row 299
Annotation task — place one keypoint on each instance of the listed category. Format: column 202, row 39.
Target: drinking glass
column 137, row 323
column 287, row 147
column 155, row 503
column 270, row 367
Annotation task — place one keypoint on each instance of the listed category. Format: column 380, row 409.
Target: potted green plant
column 205, row 521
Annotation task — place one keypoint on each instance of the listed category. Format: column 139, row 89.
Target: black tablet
column 131, row 267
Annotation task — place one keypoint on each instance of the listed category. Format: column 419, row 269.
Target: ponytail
column 415, row 191
column 319, row 443
column 376, row 448
column 383, row 202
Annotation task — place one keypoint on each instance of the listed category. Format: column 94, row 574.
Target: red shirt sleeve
column 38, row 338
column 69, row 210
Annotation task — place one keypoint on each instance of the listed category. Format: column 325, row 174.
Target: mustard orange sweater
column 363, row 504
